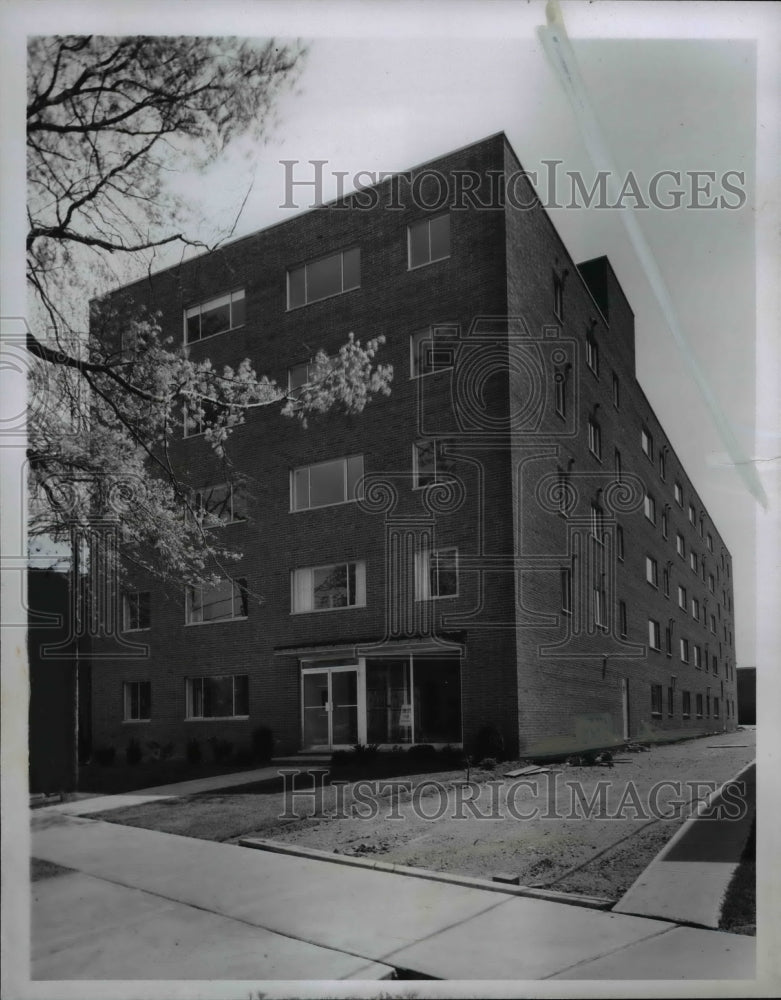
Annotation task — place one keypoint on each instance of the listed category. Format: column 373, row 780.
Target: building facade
column 507, row 543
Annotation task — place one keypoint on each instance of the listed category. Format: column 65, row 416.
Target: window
column 647, row 443
column 616, row 391
column 670, row 702
column 428, row 241
column 214, row 316
column 702, row 526
column 560, row 392
column 595, row 438
column 654, row 634
column 194, row 425
column 710, row 542
column 299, row 375
column 713, row 624
column 429, row 463
column 668, row 641
column 622, row 619
column 226, row 503
column 699, row 706
column 666, row 581
column 136, row 613
column 692, row 514
column 558, row 296
column 137, row 700
column 663, row 463
column 695, row 609
column 693, row 561
column 715, row 707
column 566, row 591
column 685, row 650
column 680, row 545
column 326, row 483
column 597, row 523
column 225, row 696
column 320, row 279
column 436, row 574
column 598, row 597
column 592, row 354
column 697, row 653
column 620, row 542
column 656, row 699
column 715, row 664
column 617, row 463
column 425, row 356
column 218, row 602
column 711, row 583
column 679, row 494
column 327, row 588
column 651, row 571
column 682, row 597
column 686, row 704
column 665, row 522
column 649, row 508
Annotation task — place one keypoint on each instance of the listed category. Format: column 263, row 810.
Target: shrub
column 489, row 742
column 366, row 749
column 488, row 763
column 262, row 744
column 452, row 755
column 105, row 756
column 422, row 751
column 243, row 756
column 222, row 750
column 341, row 757
column 133, row 753
column 193, row 752
column 167, row 751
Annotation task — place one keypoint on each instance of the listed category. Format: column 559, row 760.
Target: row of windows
column 686, row 706
column 214, row 697
column 427, row 242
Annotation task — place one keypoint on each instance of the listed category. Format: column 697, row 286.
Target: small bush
column 488, row 763
column 105, row 756
column 133, row 753
column 366, row 750
column 222, row 750
column 262, row 744
column 193, row 752
column 452, row 755
column 167, row 751
column 341, row 757
column 422, row 751
column 489, row 742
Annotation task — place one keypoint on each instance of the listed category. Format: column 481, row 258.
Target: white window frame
column 565, row 578
column 419, row 225
column 228, row 298
column 692, row 514
column 239, row 598
column 680, row 545
column 678, row 492
column 319, row 260
column 199, row 508
column 649, row 508
column 647, row 443
column 302, row 590
column 651, row 571
column 127, row 701
column 695, row 607
column 423, row 574
column 189, row 699
column 592, row 354
column 654, row 634
column 693, row 562
column 595, row 438
column 437, row 476
column 127, row 597
column 684, row 649
column 683, row 598
column 316, row 465
column 697, row 656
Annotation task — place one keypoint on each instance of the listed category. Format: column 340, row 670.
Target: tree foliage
column 110, row 120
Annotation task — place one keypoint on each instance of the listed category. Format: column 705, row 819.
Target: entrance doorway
column 330, row 707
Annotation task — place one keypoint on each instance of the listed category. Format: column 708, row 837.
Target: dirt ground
column 588, row 830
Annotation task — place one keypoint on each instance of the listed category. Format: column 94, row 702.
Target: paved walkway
column 147, row 905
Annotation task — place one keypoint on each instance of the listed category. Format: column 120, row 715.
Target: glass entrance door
column 330, row 707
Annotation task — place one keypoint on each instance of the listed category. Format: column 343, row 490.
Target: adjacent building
column 507, row 544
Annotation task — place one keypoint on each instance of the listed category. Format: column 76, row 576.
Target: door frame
column 359, row 668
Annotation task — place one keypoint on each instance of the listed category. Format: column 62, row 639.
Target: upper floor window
column 595, row 438
column 680, row 545
column 137, row 701
column 616, row 391
column 429, row 463
column 597, row 522
column 226, row 503
column 136, row 612
column 693, row 561
column 617, row 463
column 558, row 296
column 654, row 634
column 663, row 463
column 326, row 483
column 692, row 514
column 710, row 542
column 224, row 696
column 195, row 425
column 222, row 601
column 622, row 619
column 566, row 591
column 425, row 355
column 695, row 609
column 428, row 241
column 697, row 652
column 651, row 571
column 682, row 597
column 592, row 353
column 299, row 375
column 436, row 574
column 214, row 316
column 685, row 650
column 665, row 521
column 620, row 542
column 320, row 279
column 326, row 588
column 711, row 583
column 649, row 508
column 679, row 494
column 647, row 443
column 560, row 392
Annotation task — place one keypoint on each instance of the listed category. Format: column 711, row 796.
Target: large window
column 680, row 545
column 647, row 442
column 429, row 463
column 429, row 241
column 649, row 508
column 299, row 375
column 226, row 503
column 225, row 696
column 682, row 597
column 136, row 613
column 413, row 700
column 697, row 653
column 214, row 316
column 326, row 483
column 218, row 602
column 656, row 699
column 327, row 588
column 678, row 494
column 652, row 571
column 425, row 354
column 685, row 650
column 654, row 634
column 436, row 574
column 320, row 279
column 137, row 701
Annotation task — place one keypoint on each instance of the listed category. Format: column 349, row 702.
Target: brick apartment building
column 506, row 543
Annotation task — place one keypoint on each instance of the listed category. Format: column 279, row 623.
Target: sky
column 679, row 87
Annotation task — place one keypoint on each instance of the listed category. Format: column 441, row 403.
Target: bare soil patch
column 588, row 830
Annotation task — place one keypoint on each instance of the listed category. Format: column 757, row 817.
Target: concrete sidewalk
column 143, row 904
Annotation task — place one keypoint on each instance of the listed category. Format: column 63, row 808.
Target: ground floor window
column 413, row 700
column 656, row 699
column 137, row 697
column 219, row 697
